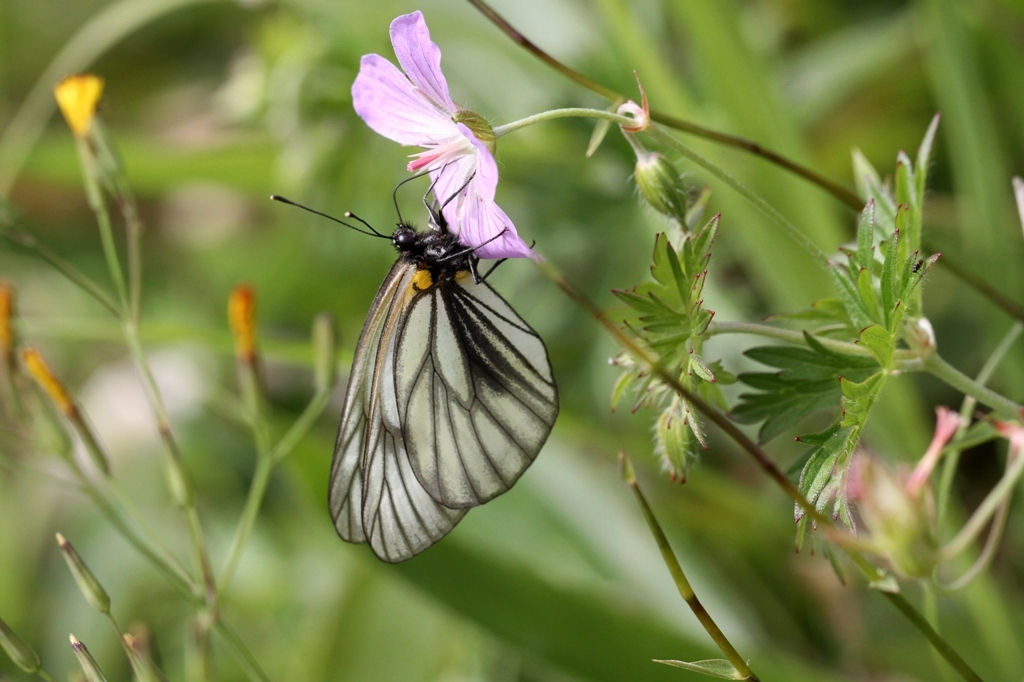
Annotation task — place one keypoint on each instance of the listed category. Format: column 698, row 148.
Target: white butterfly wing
column 476, row 392
column 374, row 495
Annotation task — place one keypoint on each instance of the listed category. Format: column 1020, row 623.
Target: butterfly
column 449, row 400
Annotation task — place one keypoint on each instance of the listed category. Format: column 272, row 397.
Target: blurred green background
column 217, row 104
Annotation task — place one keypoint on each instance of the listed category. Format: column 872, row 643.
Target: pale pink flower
column 415, row 108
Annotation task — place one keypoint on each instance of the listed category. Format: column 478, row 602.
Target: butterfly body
column 450, row 398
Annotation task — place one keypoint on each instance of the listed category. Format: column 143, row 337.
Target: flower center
column 479, row 125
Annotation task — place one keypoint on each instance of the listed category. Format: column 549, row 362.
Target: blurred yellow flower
column 77, row 97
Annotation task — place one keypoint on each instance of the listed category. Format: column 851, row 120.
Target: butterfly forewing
column 479, row 397
column 374, row 495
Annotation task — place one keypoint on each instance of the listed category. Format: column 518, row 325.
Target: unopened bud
column 920, row 335
column 141, row 659
column 242, row 318
column 89, row 666
column 325, row 348
column 88, row 585
column 661, row 185
column 899, row 523
column 23, row 655
column 77, row 97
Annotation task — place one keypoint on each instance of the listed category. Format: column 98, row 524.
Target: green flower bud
column 661, row 185
column 674, row 441
column 325, row 347
column 87, row 582
column 479, row 125
column 89, row 666
column 23, row 655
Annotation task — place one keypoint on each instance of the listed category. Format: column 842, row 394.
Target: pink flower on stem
column 414, row 108
column 946, row 424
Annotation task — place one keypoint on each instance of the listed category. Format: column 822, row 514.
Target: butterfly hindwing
column 476, row 392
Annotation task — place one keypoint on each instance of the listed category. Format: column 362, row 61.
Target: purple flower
column 414, row 108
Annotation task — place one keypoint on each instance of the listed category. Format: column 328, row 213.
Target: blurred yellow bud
column 77, row 97
column 6, row 322
column 51, row 385
column 242, row 318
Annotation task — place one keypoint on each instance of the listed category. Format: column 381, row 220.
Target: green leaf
column 868, row 297
column 880, row 342
column 850, row 296
column 698, row 367
column 866, row 235
column 715, row 667
column 924, row 153
column 865, row 177
column 887, row 280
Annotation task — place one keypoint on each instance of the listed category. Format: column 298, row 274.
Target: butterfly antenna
column 372, row 232
column 394, row 194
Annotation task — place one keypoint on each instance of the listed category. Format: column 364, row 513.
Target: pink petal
column 420, row 58
column 391, row 106
column 484, row 226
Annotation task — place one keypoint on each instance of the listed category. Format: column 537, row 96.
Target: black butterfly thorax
column 437, row 250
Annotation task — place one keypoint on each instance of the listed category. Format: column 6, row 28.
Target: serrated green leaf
column 924, row 153
column 698, row 367
column 880, row 342
column 868, row 297
column 820, row 438
column 904, row 180
column 865, row 177
column 643, row 304
column 696, row 210
column 716, row 667
column 622, row 385
column 850, row 297
column 866, row 235
column 887, row 280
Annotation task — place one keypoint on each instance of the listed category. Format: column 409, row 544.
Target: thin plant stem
column 767, row 209
column 125, row 503
column 679, row 576
column 253, row 502
column 252, row 398
column 173, row 459
column 988, row 507
column 939, row 368
column 152, row 552
column 952, row 460
column 241, row 652
column 992, row 541
column 90, row 176
column 21, row 237
column 42, row 674
column 871, row 572
column 931, row 613
column 301, row 426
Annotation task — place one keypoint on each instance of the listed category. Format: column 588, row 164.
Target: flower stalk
column 679, row 576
